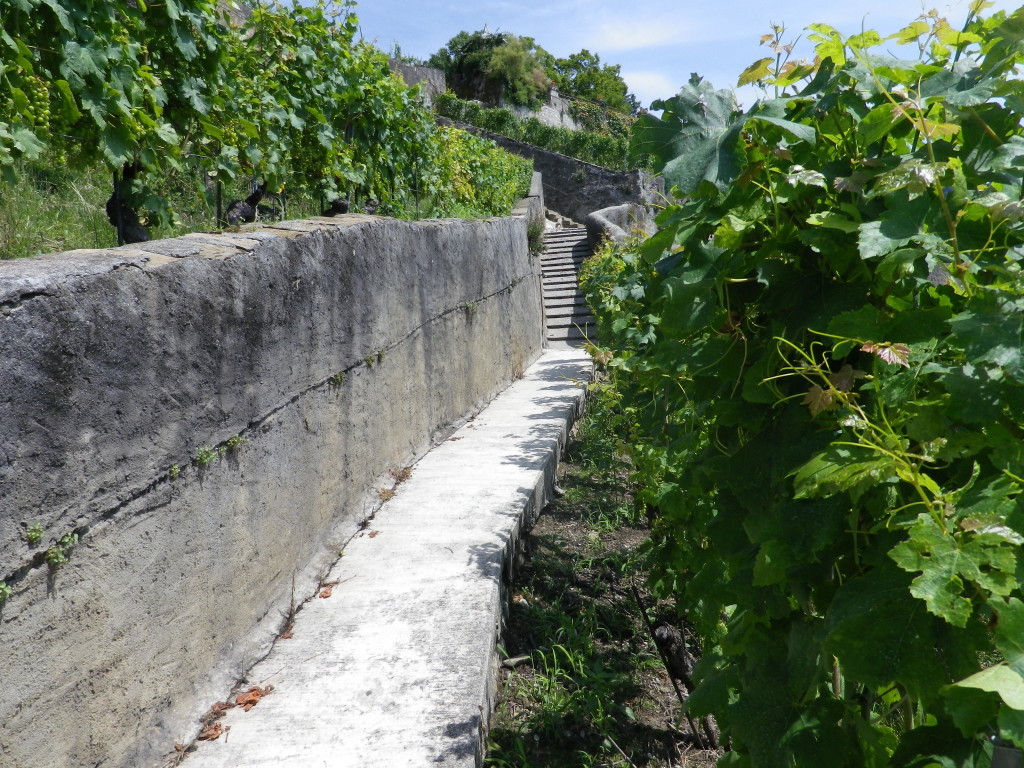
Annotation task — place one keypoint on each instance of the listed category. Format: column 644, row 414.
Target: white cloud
column 648, row 86
column 630, row 35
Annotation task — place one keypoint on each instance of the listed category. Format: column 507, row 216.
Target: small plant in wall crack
column 58, row 554
column 386, row 494
column 535, row 238
column 400, row 475
column 471, row 307
column 232, row 443
column 174, row 472
column 34, row 534
column 5, row 592
column 337, row 379
column 204, row 455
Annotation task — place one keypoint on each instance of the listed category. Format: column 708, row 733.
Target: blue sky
column 657, row 43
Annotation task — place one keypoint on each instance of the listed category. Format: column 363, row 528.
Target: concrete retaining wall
column 575, row 188
column 213, row 416
column 432, row 79
column 556, row 112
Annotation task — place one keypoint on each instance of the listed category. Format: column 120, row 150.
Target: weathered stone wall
column 619, row 223
column 556, row 112
column 432, row 79
column 315, row 356
column 573, row 187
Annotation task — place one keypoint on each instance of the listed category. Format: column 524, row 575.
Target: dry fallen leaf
column 211, row 732
column 373, row 534
column 326, row 592
column 252, row 697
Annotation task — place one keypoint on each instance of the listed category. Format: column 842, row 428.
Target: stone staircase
column 569, row 322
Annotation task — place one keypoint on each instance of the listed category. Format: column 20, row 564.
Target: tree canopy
column 493, row 65
column 582, row 76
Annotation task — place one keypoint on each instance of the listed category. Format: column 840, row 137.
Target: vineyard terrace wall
column 575, row 188
column 213, row 416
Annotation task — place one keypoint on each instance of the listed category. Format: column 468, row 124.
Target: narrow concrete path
column 569, row 322
column 396, row 667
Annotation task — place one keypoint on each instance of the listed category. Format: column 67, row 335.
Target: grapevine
column 823, row 347
column 151, row 90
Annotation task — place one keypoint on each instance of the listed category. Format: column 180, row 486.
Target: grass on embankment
column 51, row 207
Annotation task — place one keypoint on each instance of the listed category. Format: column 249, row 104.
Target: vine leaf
column 880, row 633
column 897, row 354
column 818, row 400
column 893, row 229
column 800, row 175
column 838, row 469
column 1010, row 634
column 843, row 379
column 26, row 142
column 944, row 563
column 971, row 708
column 965, row 85
column 696, row 139
column 1011, row 725
column 756, row 71
column 998, row 679
column 797, row 130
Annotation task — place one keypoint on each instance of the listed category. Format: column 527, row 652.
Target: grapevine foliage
column 822, row 346
column 288, row 97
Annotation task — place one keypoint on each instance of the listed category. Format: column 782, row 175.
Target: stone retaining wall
column 575, row 188
column 213, row 416
column 432, row 79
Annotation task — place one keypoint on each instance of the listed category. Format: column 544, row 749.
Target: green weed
column 58, row 554
column 34, row 534
column 205, row 455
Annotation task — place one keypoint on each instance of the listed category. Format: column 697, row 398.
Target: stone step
column 568, row 317
column 559, row 278
column 568, row 310
column 571, row 303
column 574, row 257
column 567, row 295
column 562, row 267
column 575, row 251
column 573, row 336
column 572, row 320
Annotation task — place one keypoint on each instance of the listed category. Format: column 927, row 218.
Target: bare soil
column 584, row 683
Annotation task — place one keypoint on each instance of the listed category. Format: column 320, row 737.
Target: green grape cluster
column 26, row 102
